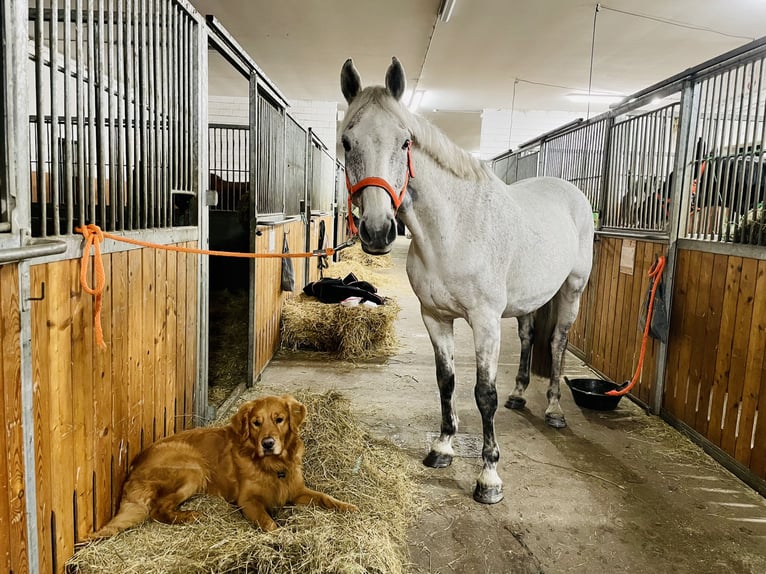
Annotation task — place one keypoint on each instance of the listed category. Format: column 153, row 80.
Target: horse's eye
column 280, row 420
column 406, row 144
column 346, row 143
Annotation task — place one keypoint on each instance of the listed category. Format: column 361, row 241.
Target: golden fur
column 254, row 462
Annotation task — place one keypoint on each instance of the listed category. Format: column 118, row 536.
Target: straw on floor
column 342, row 460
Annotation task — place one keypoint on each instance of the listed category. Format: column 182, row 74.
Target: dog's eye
column 280, row 420
column 256, row 423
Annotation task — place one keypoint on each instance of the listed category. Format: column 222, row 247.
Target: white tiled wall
column 498, row 135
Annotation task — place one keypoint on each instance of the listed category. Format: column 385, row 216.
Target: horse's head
column 377, row 149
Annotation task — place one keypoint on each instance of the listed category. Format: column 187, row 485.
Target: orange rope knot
column 93, row 237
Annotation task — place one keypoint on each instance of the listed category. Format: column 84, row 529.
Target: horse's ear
column 350, row 82
column 395, row 80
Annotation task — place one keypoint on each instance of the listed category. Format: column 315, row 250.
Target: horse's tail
column 545, row 322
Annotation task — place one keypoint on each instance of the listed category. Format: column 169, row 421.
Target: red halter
column 383, row 184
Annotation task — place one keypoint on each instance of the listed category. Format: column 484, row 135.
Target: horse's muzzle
column 377, row 241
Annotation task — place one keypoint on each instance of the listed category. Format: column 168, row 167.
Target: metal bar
column 754, row 150
column 38, row 249
column 123, row 96
column 112, row 130
column 68, row 166
column 167, row 210
column 91, row 107
column 759, row 180
column 82, row 138
column 53, row 48
column 131, row 124
column 144, row 165
column 98, row 83
column 40, row 115
column 151, row 112
column 185, row 100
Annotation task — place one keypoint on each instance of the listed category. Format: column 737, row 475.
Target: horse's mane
column 425, row 135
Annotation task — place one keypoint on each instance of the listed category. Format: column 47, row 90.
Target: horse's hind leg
column 568, row 305
column 443, row 341
column 486, row 333
column 516, row 399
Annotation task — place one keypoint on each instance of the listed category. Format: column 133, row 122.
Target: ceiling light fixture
column 445, row 10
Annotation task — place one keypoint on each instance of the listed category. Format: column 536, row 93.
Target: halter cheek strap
column 381, row 183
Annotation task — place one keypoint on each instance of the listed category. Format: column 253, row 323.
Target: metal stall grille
column 5, row 208
column 295, row 174
column 322, row 178
column 728, row 172
column 229, row 157
column 113, row 115
column 527, row 165
column 578, row 157
column 270, row 198
column 640, row 176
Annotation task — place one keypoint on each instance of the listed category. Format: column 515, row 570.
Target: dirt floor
column 616, row 491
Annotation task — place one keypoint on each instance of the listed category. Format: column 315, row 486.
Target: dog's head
column 269, row 425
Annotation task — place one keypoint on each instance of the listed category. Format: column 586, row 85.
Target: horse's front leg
column 516, row 399
column 443, row 341
column 486, row 333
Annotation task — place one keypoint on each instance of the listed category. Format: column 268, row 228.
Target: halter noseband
column 381, row 183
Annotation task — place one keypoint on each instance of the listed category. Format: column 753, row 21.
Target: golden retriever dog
column 254, row 462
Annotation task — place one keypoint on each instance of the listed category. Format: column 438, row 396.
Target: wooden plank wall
column 96, row 409
column 606, row 332
column 268, row 293
column 13, row 523
column 716, row 375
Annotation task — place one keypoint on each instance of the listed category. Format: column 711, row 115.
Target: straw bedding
column 346, row 332
column 342, row 460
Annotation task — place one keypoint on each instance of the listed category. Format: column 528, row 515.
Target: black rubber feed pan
column 591, row 393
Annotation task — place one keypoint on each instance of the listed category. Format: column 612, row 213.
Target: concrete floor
column 616, row 491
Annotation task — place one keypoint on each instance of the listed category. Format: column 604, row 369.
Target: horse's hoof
column 515, row 403
column 488, row 494
column 556, row 421
column 437, row 460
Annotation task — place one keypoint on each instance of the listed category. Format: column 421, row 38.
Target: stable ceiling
column 473, row 62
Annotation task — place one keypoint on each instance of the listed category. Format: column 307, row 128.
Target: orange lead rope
column 655, row 273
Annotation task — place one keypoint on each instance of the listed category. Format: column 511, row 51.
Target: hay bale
column 347, row 332
column 342, row 460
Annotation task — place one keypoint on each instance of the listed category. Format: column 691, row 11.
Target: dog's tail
column 131, row 513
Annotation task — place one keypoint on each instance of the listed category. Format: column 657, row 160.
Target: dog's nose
column 268, row 443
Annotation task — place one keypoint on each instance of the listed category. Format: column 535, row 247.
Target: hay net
column 340, row 459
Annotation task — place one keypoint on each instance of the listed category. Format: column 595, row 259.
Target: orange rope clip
column 93, row 237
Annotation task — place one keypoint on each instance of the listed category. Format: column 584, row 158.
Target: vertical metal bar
column 69, row 195
column 715, row 157
column 42, row 136
column 122, row 107
column 726, row 169
column 157, row 104
column 746, row 86
column 175, row 97
column 144, row 165
column 131, row 125
column 53, row 47
column 759, row 180
column 709, row 123
column 101, row 139
column 165, row 171
column 82, row 138
column 91, row 107
column 151, row 111
column 185, row 95
column 112, row 130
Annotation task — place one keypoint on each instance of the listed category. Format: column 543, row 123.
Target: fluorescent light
column 417, row 97
column 596, row 98
column 445, row 10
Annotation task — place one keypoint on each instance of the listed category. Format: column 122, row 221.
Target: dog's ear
column 241, row 420
column 297, row 411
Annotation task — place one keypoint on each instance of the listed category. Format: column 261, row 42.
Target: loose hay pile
column 341, row 460
column 347, row 332
column 355, row 253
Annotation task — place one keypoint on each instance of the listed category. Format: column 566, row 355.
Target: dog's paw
column 346, row 507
